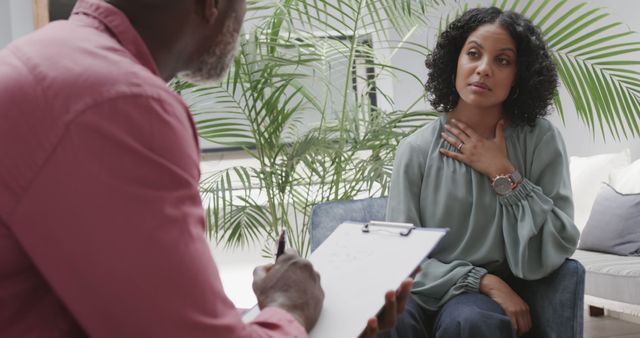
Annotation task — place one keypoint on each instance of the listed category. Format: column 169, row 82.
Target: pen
column 281, row 244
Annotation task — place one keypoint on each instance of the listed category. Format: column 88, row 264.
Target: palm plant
column 304, row 100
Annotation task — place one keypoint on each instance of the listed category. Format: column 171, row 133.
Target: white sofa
column 612, row 282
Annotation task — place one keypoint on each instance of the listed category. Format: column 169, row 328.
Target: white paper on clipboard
column 357, row 267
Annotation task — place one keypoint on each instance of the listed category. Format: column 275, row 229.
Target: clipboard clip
column 405, row 227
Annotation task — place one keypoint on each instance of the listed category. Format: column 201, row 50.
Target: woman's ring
column 460, row 147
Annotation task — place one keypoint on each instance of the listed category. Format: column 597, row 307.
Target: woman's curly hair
column 536, row 76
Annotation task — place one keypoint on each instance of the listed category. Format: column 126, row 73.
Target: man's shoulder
column 72, row 63
column 51, row 78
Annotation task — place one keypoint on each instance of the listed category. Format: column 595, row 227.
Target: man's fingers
column 261, row 271
column 416, row 271
column 291, row 251
column 288, row 255
column 259, row 274
column 389, row 313
column 403, row 293
column 371, row 331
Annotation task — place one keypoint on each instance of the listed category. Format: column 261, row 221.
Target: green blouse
column 529, row 231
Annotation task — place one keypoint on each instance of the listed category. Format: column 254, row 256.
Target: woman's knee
column 468, row 318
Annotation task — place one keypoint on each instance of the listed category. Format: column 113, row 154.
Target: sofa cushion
column 626, row 179
column 610, row 276
column 614, row 224
column 587, row 173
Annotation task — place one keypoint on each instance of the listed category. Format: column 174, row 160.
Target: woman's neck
column 482, row 120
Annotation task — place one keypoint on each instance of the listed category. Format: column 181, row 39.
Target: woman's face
column 486, row 67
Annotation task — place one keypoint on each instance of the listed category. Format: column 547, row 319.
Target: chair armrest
column 556, row 302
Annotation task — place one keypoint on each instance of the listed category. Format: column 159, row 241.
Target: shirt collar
column 118, row 24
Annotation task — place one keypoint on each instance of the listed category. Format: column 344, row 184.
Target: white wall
column 16, row 20
column 5, row 23
column 580, row 142
column 21, row 17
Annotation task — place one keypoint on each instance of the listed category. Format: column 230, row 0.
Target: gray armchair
column 556, row 301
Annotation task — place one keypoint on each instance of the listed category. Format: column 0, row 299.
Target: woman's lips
column 481, row 86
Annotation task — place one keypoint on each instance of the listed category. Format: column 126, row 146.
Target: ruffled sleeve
column 537, row 217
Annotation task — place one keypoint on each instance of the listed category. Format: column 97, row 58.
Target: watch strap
column 515, row 178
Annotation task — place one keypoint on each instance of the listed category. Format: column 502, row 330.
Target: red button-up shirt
column 101, row 223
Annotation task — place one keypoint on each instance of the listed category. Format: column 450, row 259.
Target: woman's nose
column 484, row 68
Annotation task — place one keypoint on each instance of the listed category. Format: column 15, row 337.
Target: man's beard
column 215, row 63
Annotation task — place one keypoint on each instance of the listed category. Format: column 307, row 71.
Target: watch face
column 502, row 185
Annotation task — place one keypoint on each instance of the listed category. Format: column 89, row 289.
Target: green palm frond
column 224, row 126
column 226, row 190
column 290, row 102
column 246, row 224
column 351, row 16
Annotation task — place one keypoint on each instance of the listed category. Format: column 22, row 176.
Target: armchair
column 556, row 301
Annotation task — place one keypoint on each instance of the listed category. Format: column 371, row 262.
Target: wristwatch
column 504, row 184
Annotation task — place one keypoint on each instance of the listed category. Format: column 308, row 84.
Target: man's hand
column 394, row 304
column 509, row 301
column 292, row 285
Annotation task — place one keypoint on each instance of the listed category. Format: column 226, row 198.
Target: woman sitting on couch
column 493, row 171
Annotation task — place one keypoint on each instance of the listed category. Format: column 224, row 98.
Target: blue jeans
column 468, row 315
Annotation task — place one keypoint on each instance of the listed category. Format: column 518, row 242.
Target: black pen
column 281, row 244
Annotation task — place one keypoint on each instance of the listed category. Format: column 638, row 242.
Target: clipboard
column 358, row 263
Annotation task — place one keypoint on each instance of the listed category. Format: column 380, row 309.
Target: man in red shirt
column 101, row 222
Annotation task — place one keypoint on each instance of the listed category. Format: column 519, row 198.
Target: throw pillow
column 586, row 175
column 614, row 224
column 627, row 179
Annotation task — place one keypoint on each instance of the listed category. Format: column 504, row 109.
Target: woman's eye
column 472, row 53
column 504, row 61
